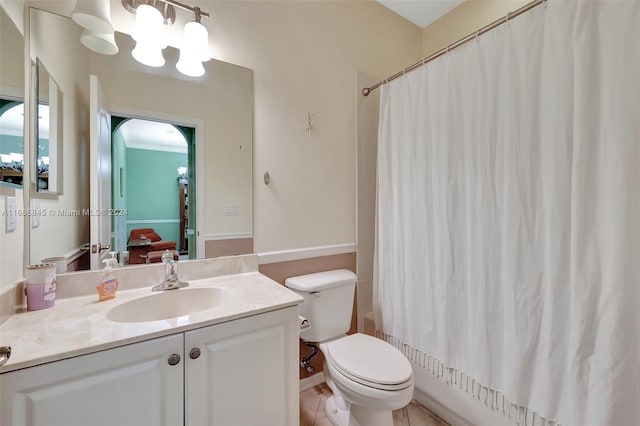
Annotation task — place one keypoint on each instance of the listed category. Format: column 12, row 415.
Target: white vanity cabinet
column 242, row 372
column 246, row 373
column 129, row 385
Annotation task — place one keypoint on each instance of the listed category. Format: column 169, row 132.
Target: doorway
column 153, row 189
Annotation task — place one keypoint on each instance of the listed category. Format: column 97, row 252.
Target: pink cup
column 41, row 286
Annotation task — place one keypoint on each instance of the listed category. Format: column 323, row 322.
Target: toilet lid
column 369, row 360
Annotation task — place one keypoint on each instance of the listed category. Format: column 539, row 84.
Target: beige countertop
column 79, row 325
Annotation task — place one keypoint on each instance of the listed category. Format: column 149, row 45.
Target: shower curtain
column 507, row 236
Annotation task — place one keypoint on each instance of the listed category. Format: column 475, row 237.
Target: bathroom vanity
column 234, row 363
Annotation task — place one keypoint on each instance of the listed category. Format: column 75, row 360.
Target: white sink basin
column 167, row 304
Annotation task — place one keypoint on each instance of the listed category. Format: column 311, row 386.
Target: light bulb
column 149, row 36
column 149, row 25
column 196, row 36
column 194, row 49
column 149, row 54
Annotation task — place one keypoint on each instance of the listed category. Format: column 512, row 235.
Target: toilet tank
column 328, row 302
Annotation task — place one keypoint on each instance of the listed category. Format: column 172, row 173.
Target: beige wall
column 304, row 55
column 11, row 54
column 464, row 20
column 367, row 124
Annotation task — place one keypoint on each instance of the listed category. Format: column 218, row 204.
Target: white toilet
column 369, row 377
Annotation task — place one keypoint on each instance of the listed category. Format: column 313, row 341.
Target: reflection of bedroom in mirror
column 150, row 177
column 11, row 141
column 48, row 127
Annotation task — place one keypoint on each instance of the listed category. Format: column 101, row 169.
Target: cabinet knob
column 5, row 353
column 195, row 353
column 174, row 359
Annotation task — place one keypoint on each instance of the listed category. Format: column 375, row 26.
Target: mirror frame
column 54, row 101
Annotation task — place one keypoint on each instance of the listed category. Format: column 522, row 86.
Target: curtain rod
column 457, row 44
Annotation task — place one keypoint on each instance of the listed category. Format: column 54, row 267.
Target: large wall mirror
column 201, row 186
column 47, row 131
column 11, row 146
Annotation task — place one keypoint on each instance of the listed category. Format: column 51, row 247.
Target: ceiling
column 12, row 121
column 153, row 135
column 421, row 12
column 136, row 133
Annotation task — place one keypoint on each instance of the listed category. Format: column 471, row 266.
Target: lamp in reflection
column 101, row 43
column 95, row 17
column 182, row 175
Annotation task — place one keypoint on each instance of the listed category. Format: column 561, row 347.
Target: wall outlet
column 231, row 210
column 10, row 214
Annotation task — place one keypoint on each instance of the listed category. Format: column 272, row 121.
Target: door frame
column 199, row 138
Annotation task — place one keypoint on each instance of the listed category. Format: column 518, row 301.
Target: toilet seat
column 370, row 361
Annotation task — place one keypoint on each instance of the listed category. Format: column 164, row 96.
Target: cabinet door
column 246, row 373
column 130, row 385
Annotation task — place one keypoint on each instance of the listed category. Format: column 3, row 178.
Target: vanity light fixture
column 150, row 40
column 182, row 175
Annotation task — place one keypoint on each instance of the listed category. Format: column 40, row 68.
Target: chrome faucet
column 171, row 280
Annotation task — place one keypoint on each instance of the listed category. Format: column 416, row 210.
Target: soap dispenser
column 108, row 282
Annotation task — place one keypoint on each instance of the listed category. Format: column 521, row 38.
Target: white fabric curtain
column 508, row 236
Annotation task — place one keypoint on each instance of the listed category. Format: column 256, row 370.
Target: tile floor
column 312, row 411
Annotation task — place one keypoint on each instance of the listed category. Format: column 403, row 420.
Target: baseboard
column 74, row 254
column 441, row 410
column 311, row 381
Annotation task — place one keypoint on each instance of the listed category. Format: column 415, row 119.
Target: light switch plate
column 10, row 214
column 231, row 210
